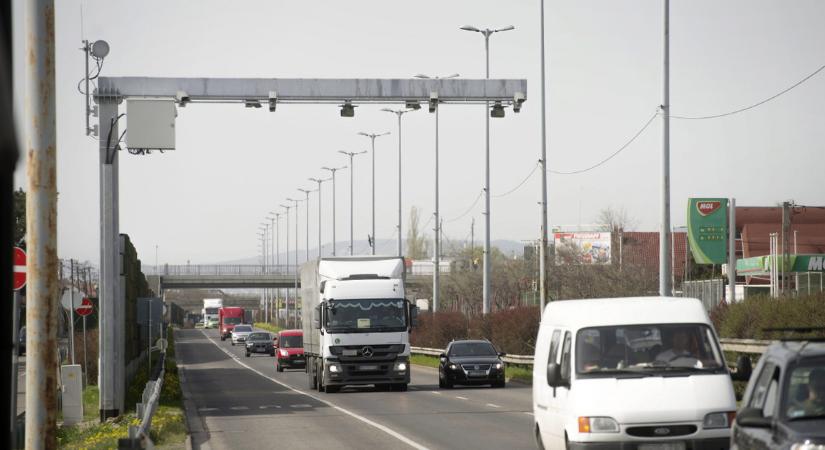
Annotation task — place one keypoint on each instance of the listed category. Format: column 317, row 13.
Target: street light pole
column 286, row 297
column 486, row 283
column 372, row 138
column 544, row 229
column 437, row 237
column 351, row 196
column 307, row 191
column 295, row 309
column 319, row 181
column 664, row 231
column 333, row 170
column 399, row 113
column 273, row 269
column 277, row 256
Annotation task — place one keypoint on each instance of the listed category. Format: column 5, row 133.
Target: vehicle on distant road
column 260, row 342
column 356, row 322
column 240, row 333
column 210, row 323
column 784, row 403
column 199, row 325
column 470, row 362
column 228, row 317
column 211, row 308
column 290, row 350
column 630, row 373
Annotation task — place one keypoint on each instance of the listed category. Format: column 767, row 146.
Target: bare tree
column 417, row 245
column 615, row 219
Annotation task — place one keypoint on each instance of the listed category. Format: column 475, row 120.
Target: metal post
column 149, row 340
column 41, row 227
column 664, row 230
column 333, row 170
column 295, row 307
column 351, row 203
column 372, row 138
column 732, row 252
column 486, row 256
column 307, row 191
column 796, row 275
column 319, row 181
column 286, row 299
column 272, row 292
column 544, row 230
column 277, row 263
column 437, row 258
column 71, row 309
column 400, row 250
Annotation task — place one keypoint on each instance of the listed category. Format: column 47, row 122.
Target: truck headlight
column 284, row 353
column 401, row 366
column 334, row 368
column 598, row 425
column 807, row 445
column 718, row 420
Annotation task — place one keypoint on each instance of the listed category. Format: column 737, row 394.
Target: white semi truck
column 356, row 322
column 211, row 306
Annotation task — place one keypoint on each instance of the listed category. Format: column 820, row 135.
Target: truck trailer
column 356, row 322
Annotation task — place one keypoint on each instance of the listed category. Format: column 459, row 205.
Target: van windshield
column 647, row 350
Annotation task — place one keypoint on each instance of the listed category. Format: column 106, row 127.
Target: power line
column 737, row 111
column 627, row 144
column 475, row 202
column 529, row 175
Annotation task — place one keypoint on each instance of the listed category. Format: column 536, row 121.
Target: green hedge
column 749, row 318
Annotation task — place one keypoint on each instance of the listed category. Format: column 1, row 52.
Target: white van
column 643, row 373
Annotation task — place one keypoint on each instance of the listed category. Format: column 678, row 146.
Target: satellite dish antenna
column 100, row 49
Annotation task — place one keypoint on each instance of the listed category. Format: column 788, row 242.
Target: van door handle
column 540, row 406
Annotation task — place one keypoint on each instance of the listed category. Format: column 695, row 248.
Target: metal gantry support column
column 544, row 227
column 286, row 299
column 41, row 228
column 665, row 288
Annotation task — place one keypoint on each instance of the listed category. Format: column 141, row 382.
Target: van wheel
column 279, row 368
column 537, row 436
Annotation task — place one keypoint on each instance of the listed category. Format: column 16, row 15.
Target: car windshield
column 472, row 349
column 364, row 316
column 804, row 396
column 232, row 320
column 647, row 349
column 291, row 342
column 243, row 328
column 259, row 337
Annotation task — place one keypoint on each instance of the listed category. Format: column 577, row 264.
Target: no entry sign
column 85, row 308
column 19, row 268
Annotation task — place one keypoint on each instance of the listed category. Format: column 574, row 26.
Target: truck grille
column 366, row 352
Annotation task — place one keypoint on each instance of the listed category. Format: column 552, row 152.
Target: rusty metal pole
column 42, row 301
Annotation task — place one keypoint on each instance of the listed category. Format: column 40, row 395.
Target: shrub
column 749, row 318
column 510, row 330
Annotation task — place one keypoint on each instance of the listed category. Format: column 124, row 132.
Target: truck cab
column 228, row 317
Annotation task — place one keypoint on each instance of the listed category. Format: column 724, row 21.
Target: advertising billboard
column 707, row 220
column 582, row 247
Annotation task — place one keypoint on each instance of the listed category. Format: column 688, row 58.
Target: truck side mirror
column 413, row 316
column 743, row 368
column 316, row 317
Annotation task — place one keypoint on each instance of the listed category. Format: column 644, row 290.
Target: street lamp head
column 470, row 28
column 361, row 133
column 388, row 110
column 343, row 152
column 421, row 75
column 507, row 28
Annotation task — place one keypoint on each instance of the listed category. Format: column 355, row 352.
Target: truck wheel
column 399, row 387
column 332, row 389
column 312, row 379
column 321, row 387
column 223, row 338
column 247, row 354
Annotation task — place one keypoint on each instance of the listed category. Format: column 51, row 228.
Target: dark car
column 259, row 342
column 470, row 363
column 784, row 403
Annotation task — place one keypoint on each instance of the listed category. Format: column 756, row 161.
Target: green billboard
column 707, row 220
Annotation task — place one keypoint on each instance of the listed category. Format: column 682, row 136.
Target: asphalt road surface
column 237, row 402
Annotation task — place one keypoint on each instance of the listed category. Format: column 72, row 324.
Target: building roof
column 641, row 248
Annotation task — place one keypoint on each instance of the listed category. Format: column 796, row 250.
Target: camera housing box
column 151, row 123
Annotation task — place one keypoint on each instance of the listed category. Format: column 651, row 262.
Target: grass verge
column 268, row 327
column 168, row 425
column 512, row 371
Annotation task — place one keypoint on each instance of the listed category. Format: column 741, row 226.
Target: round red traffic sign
column 85, row 307
column 19, row 268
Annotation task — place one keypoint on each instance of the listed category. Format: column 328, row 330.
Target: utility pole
column 732, row 252
column 42, row 287
column 544, row 231
column 665, row 289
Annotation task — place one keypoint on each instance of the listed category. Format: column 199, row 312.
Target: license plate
column 663, row 446
column 478, row 373
column 367, row 368
column 348, row 352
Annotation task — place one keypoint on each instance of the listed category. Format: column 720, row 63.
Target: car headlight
column 598, row 425
column 401, row 366
column 284, row 353
column 498, row 366
column 807, row 445
column 719, row 420
column 452, row 366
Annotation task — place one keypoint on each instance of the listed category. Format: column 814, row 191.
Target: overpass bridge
column 233, row 276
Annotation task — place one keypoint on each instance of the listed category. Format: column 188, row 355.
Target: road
column 238, row 402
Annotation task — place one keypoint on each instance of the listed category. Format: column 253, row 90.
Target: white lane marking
column 436, row 392
column 270, row 406
column 528, row 413
column 301, row 405
column 207, row 409
column 369, row 422
column 493, row 406
column 460, row 397
column 239, row 408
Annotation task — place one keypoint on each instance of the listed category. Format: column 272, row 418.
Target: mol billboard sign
column 707, row 220
column 582, row 247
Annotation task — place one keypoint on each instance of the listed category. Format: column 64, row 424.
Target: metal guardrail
column 139, row 435
column 751, row 346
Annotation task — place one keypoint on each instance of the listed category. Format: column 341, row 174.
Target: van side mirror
column 316, row 317
column 744, row 369
column 753, row 418
column 323, row 285
column 554, row 375
column 413, row 316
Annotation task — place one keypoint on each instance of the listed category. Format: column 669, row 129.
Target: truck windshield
column 639, row 350
column 367, row 315
column 212, row 310
column 231, row 320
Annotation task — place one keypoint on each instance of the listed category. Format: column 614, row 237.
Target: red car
column 228, row 317
column 290, row 350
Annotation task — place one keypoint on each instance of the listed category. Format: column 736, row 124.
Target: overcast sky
column 204, row 201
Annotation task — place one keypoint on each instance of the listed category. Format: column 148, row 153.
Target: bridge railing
column 217, row 269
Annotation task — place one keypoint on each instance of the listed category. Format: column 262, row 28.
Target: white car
column 240, row 333
column 630, row 373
